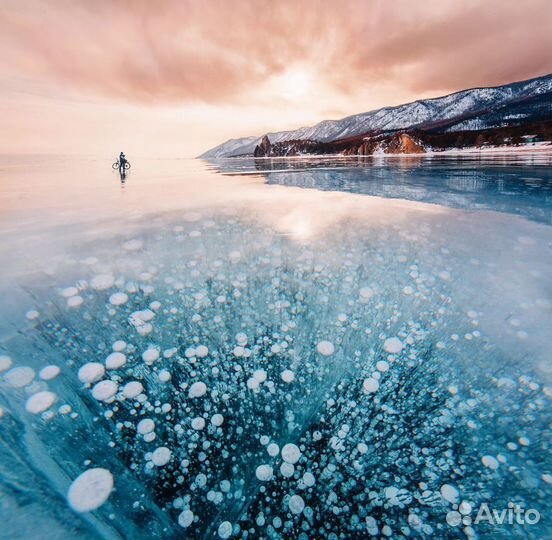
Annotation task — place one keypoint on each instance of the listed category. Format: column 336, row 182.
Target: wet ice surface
column 499, row 183
column 282, row 363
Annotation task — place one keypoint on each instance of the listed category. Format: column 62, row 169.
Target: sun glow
column 295, row 83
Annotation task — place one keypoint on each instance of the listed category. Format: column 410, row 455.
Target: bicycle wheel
column 115, row 165
column 127, row 165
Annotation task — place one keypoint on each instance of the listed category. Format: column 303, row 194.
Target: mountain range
column 523, row 107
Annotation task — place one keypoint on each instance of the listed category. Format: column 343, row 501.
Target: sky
column 172, row 78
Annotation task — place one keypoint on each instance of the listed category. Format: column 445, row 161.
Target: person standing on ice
column 122, row 162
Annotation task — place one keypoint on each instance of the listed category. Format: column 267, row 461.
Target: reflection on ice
column 499, row 184
column 333, row 372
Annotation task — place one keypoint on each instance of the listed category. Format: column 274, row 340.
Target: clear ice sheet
column 406, row 358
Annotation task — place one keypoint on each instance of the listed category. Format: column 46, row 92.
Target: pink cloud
column 217, row 51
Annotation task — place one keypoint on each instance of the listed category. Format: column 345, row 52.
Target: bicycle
column 116, row 165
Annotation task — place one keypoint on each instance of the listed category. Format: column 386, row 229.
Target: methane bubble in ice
column 197, row 389
column 19, row 377
column 69, row 291
column 75, row 301
column 102, row 282
column 198, row 423
column 308, row 479
column 161, row 456
column 264, row 473
column 185, row 518
column 145, row 426
column 370, row 385
column 40, row 402
column 287, row 470
column 291, row 453
column 393, row 345
column 115, row 360
column 449, row 493
column 48, row 373
column 132, row 389
column 296, row 504
column 382, row 366
column 325, row 348
column 104, row 390
column 287, row 376
column 91, row 372
column 119, row 345
column 225, row 530
column 273, row 449
column 90, row 490
column 366, row 293
column 490, row 462
column 201, row 351
column 150, row 355
column 217, row 420
column 164, row 375
column 5, row 363
column 118, row 298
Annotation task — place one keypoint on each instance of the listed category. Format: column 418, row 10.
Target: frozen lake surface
column 191, row 354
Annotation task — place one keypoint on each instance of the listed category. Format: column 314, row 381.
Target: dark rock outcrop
column 263, row 149
column 294, row 147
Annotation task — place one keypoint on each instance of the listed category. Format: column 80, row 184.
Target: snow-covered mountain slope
column 465, row 103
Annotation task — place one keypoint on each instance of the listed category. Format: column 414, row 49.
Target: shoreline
column 528, row 149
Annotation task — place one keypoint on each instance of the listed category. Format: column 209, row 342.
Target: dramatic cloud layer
column 324, row 57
